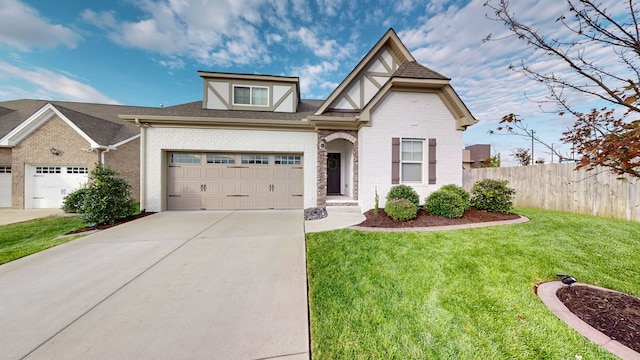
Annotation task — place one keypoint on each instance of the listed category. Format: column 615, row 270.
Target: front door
column 333, row 174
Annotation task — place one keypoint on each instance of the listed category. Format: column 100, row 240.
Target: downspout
column 106, row 150
column 143, row 164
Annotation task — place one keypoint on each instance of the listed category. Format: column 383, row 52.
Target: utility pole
column 532, row 138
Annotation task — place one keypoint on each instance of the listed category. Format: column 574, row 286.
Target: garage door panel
column 231, row 185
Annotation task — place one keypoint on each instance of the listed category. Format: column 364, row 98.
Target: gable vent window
column 411, row 159
column 251, row 95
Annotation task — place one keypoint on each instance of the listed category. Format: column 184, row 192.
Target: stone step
column 340, row 209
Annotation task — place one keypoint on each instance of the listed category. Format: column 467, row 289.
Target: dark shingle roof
column 413, row 70
column 100, row 122
column 194, row 109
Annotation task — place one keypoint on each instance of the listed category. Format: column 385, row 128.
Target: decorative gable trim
column 379, row 63
column 36, row 120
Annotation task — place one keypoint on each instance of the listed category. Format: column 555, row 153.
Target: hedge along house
column 48, row 149
column 252, row 143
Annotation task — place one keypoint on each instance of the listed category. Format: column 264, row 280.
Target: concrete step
column 341, row 209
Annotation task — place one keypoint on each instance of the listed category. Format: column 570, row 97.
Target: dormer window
column 250, row 95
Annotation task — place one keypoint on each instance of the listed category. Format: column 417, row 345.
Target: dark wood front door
column 333, row 173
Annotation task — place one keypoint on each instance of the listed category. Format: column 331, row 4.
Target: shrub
column 73, row 202
column 107, row 198
column 492, row 195
column 461, row 192
column 403, row 192
column 445, row 203
column 401, row 209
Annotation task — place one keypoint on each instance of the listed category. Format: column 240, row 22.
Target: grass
column 465, row 294
column 22, row 239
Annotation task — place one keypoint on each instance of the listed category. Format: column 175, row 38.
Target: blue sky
column 148, row 52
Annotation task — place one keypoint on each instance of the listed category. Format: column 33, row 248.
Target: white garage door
column 5, row 186
column 234, row 181
column 49, row 184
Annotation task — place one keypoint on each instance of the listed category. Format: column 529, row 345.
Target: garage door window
column 288, row 159
column 47, row 170
column 255, row 159
column 185, row 159
column 220, row 159
column 5, row 169
column 77, row 170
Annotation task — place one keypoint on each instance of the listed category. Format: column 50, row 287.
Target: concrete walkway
column 174, row 285
column 11, row 216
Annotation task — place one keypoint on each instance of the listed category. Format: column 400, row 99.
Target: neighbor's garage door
column 5, row 186
column 234, row 181
column 49, row 185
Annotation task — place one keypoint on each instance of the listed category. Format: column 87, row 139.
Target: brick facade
column 5, row 156
column 126, row 161
column 412, row 115
column 35, row 150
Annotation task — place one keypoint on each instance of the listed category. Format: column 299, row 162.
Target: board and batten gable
column 283, row 93
column 369, row 81
column 408, row 115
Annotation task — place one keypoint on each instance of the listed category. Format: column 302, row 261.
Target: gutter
column 143, row 163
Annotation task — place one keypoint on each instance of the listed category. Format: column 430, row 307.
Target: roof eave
column 186, row 121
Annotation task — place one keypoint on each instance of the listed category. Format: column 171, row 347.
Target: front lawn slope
column 464, row 294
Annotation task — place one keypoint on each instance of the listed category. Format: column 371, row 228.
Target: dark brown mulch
column 614, row 314
column 382, row 220
column 106, row 226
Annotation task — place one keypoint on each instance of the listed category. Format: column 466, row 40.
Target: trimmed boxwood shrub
column 461, row 192
column 403, row 192
column 73, row 202
column 445, row 203
column 401, row 209
column 492, row 195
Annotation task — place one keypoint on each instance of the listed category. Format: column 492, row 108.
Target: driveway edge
column 547, row 293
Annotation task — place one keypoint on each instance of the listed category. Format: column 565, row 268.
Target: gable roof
column 99, row 124
column 413, row 70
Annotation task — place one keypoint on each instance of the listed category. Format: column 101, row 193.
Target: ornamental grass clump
column 403, row 192
column 461, row 192
column 445, row 203
column 401, row 209
column 492, row 195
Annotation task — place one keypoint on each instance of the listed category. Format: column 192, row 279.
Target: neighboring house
column 252, row 143
column 48, row 149
column 475, row 156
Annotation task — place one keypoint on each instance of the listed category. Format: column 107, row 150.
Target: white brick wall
column 189, row 139
column 407, row 115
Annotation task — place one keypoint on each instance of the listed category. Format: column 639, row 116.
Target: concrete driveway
column 174, row 285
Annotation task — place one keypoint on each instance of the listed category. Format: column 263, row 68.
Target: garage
column 212, row 181
column 47, row 185
column 5, row 186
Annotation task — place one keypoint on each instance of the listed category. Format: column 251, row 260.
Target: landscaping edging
column 547, row 293
column 520, row 220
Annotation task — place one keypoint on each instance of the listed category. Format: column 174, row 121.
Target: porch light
column 54, row 151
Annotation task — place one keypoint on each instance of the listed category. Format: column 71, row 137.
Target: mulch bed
column 106, row 226
column 614, row 314
column 382, row 220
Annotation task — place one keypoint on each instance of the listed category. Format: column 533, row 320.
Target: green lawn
column 464, row 294
column 22, row 239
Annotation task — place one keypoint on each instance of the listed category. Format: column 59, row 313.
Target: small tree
column 493, row 161
column 107, row 197
column 600, row 59
column 522, row 156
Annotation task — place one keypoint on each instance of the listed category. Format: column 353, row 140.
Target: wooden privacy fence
column 560, row 187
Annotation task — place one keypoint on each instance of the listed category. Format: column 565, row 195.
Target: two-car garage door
column 234, row 181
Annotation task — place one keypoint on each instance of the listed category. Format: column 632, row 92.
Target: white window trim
column 251, row 87
column 402, row 162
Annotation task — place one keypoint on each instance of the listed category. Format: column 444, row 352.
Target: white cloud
column 21, row 27
column 316, row 78
column 40, row 83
